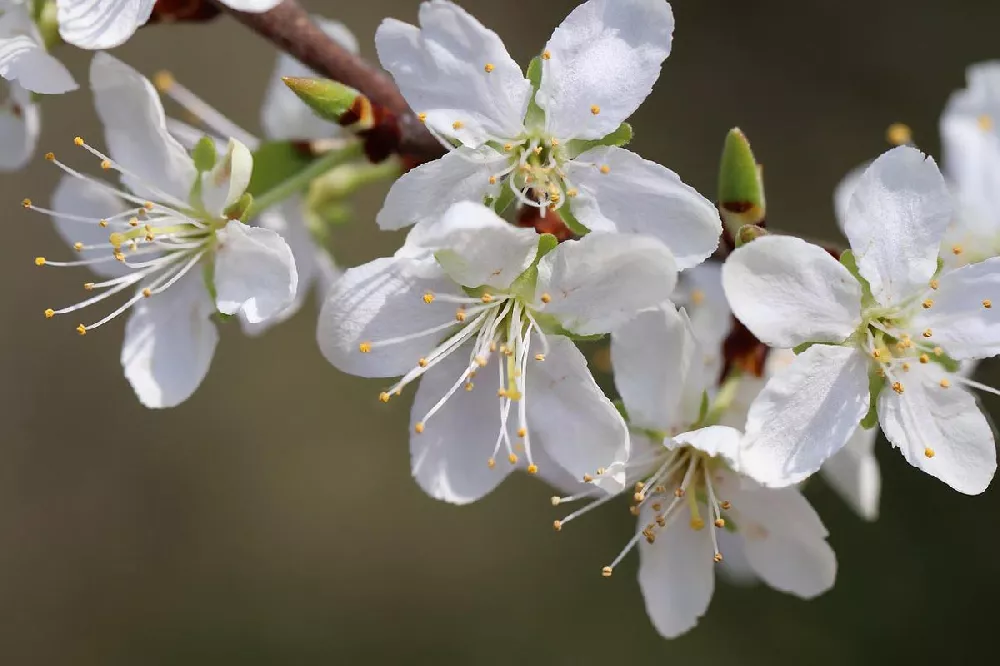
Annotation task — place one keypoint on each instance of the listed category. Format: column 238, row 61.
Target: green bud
column 333, row 101
column 204, row 154
column 749, row 232
column 240, row 209
column 741, row 188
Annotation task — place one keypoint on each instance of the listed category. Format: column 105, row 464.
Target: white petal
column 605, row 54
column 641, row 197
column 135, row 130
column 380, row 300
column 23, row 57
column 716, row 441
column 959, row 320
column 570, row 416
column 474, row 246
column 101, row 24
column 283, row 115
column 805, row 414
column 252, row 6
column 945, row 420
column 853, row 472
column 677, row 577
column 254, row 272
column 843, row 193
column 658, row 371
column 449, row 458
column 601, row 281
column 169, row 342
column 898, row 213
column 735, row 567
column 286, row 220
column 785, row 541
column 19, row 127
column 788, row 291
column 441, row 69
column 74, row 196
column 426, row 192
column 225, row 184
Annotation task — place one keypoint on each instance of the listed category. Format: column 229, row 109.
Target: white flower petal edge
column 23, row 57
column 252, row 6
column 101, row 24
column 620, row 191
column 788, row 292
column 601, row 63
column 254, row 272
column 805, row 414
column 19, row 127
column 898, row 214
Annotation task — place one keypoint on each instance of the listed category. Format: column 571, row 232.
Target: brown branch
column 289, row 27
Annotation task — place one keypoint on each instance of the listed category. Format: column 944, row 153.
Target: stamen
column 204, row 112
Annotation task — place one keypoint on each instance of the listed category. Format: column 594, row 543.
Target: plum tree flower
column 550, row 139
column 693, row 502
column 880, row 331
column 471, row 297
column 105, row 24
column 168, row 235
column 23, row 58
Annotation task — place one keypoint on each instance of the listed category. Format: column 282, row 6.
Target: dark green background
column 272, row 520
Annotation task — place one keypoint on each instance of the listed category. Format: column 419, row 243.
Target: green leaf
column 620, row 137
column 273, row 163
column 204, row 154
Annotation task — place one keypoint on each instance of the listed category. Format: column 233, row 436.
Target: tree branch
column 290, row 28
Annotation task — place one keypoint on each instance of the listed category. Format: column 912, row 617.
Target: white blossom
column 23, row 58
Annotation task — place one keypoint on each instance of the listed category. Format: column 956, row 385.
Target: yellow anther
column 595, row 109
column 521, row 432
column 938, row 351
column 537, row 150
column 605, row 169
column 512, row 459
column 116, row 239
column 606, row 571
column 572, row 192
column 460, row 315
column 384, row 396
column 554, row 198
column 554, row 142
column 26, row 203
column 493, row 180
column 428, row 298
column 638, row 497
column 508, row 147
column 489, row 67
column 546, row 298
column 897, row 387
column 89, row 286
column 422, row 363
column 501, row 392
column 103, row 223
column 81, row 329
column 660, row 520
column 720, row 523
column 78, row 246
column 105, row 164
column 987, row 303
column 555, row 500
column 78, row 140
column 418, row 427
column 557, row 525
column 422, row 117
column 481, row 361
column 39, row 261
column 927, row 333
column 924, row 358
column 726, row 505
column 119, row 256
column 985, row 122
column 587, row 478
column 927, row 304
column 546, row 54
column 898, row 134
column 50, row 313
column 148, row 205
column 634, row 510
column 697, row 524
column 147, row 292
column 50, row 156
column 928, row 452
column 133, row 222
column 944, row 383
column 956, row 249
column 906, row 367
column 532, row 469
column 469, row 386
column 163, row 80
column 876, row 354
column 365, row 347
column 457, row 125
column 679, row 492
column 539, row 357
column 487, row 298
column 935, row 284
column 717, row 558
column 491, row 463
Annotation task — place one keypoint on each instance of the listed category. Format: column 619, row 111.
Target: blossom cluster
column 537, row 231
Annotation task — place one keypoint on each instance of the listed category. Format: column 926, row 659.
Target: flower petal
column 23, row 57
column 457, row 72
column 805, row 414
column 449, row 458
column 897, row 216
column 225, row 184
column 426, row 192
column 785, row 541
column 571, row 418
column 101, row 24
column 136, row 133
column 641, row 197
column 959, row 319
column 853, row 472
column 169, row 343
column 254, row 272
column 658, row 371
column 283, row 115
column 939, row 430
column 844, row 191
column 716, row 441
column 380, row 300
column 74, row 196
column 252, row 6
column 602, row 280
column 19, row 128
column 602, row 63
column 676, row 576
column 788, row 292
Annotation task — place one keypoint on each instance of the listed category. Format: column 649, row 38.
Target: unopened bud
column 741, row 187
column 333, row 101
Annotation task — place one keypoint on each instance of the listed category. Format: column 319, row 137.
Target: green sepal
column 502, row 202
column 551, row 326
column 850, row 262
column 703, row 409
column 620, row 137
column 221, row 317
column 328, row 99
column 741, row 188
column 875, row 385
column 798, row 349
column 945, row 361
column 534, row 117
column 570, row 221
column 204, row 154
column 275, row 162
column 524, row 284
column 208, row 275
column 620, row 406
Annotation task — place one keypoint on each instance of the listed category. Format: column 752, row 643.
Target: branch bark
column 290, row 28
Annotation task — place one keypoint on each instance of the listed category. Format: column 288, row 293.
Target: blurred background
column 271, row 519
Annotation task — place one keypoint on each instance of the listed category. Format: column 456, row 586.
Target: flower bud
column 333, row 101
column 741, row 188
